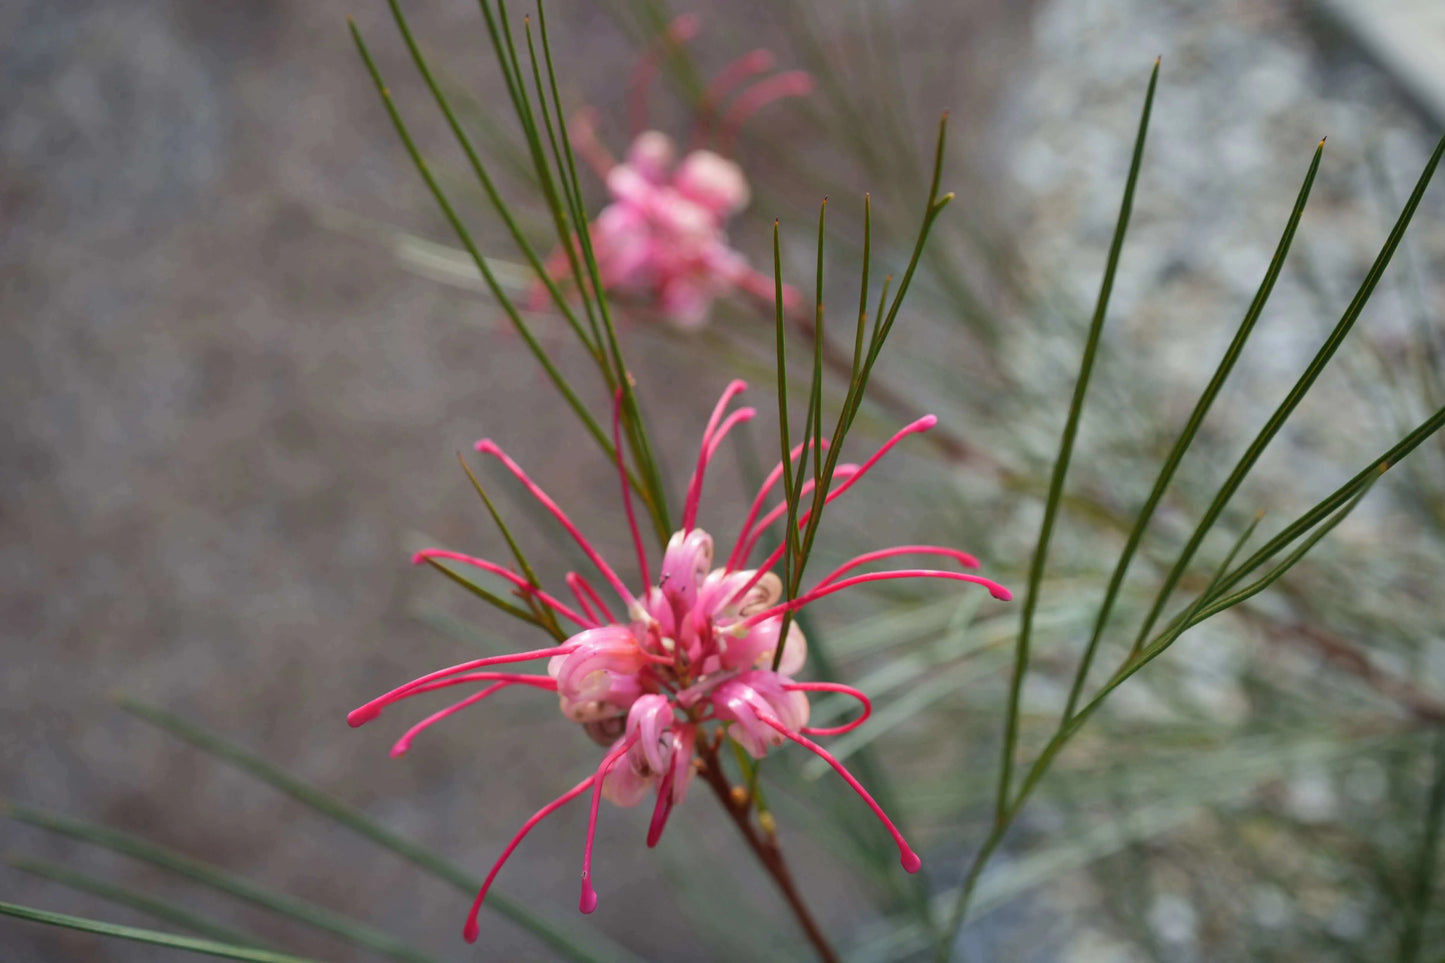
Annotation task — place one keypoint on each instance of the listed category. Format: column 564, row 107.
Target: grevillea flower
column 691, row 659
column 661, row 240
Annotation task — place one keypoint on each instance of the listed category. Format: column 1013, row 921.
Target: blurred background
column 231, row 395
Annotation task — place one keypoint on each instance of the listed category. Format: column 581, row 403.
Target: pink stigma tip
column 471, row 931
column 418, row 558
column 360, row 717
column 486, row 445
column 399, row 750
column 1001, row 593
column 588, row 902
column 911, row 862
column 927, row 421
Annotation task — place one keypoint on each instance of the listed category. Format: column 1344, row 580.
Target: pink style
column 690, row 663
column 661, row 242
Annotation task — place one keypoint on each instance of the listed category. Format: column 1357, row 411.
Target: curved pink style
column 866, row 702
column 364, row 714
column 694, row 488
column 906, row 855
column 488, row 447
column 922, row 424
column 588, row 900
column 471, row 930
column 742, row 546
column 962, row 558
column 780, row 509
column 404, row 743
column 994, row 589
column 734, row 74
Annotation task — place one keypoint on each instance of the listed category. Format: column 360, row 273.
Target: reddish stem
column 766, row 849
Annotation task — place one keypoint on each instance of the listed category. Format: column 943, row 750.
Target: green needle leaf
column 1191, row 428
column 637, row 435
column 153, row 937
column 1061, row 464
column 1294, row 397
column 542, row 612
column 575, row 942
column 493, row 599
column 1002, row 809
column 480, row 170
column 121, row 896
column 350, row 930
column 1273, row 575
column 465, row 237
column 1337, row 498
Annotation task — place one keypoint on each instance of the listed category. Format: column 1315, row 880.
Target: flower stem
column 766, row 848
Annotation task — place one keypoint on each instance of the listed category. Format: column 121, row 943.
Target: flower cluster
column 661, row 241
column 699, row 656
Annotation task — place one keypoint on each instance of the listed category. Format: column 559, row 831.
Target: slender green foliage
column 479, row 169
column 569, row 220
column 1191, row 428
column 1199, row 612
column 1061, row 464
column 573, row 941
column 825, row 464
column 350, row 930
column 121, row 896
column 543, row 613
column 1338, row 497
column 464, row 235
column 1296, row 394
column 152, row 937
column 493, row 599
column 641, row 446
column 1222, row 591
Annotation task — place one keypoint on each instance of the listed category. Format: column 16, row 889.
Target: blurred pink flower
column 661, row 241
column 691, row 659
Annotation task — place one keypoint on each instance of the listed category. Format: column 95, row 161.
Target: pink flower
column 598, row 679
column 661, row 240
column 691, row 660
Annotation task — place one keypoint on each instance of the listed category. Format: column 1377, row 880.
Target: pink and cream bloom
column 661, row 240
column 683, row 663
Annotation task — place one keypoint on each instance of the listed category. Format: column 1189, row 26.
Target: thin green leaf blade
column 344, row 927
column 153, row 937
column 576, row 942
column 160, row 909
column 1191, row 429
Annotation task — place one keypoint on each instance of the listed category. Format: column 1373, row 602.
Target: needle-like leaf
column 573, row 941
column 153, row 937
column 121, row 896
column 350, row 930
column 1061, row 463
column 1191, row 428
